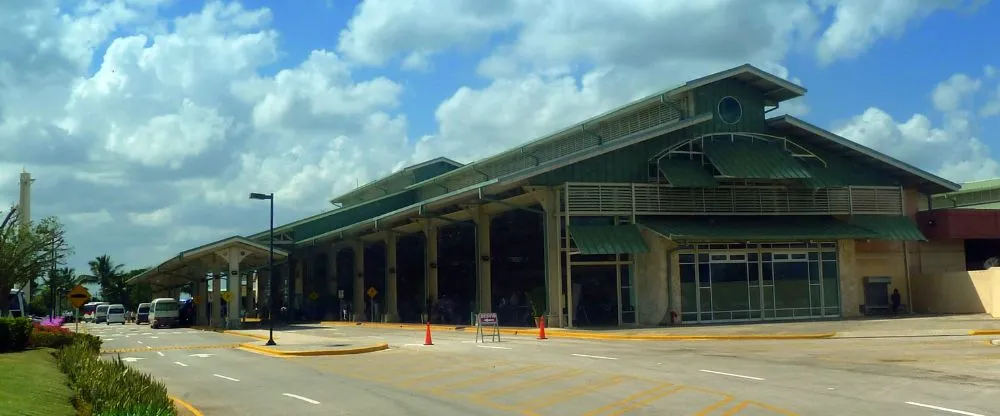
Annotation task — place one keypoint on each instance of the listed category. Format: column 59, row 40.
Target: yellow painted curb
column 187, row 406
column 984, row 332
column 230, row 332
column 561, row 333
column 313, row 353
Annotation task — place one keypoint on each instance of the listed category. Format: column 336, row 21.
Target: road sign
column 226, row 296
column 78, row 296
column 313, row 296
column 372, row 292
column 487, row 322
column 196, row 299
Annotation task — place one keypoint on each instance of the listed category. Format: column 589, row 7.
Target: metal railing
column 658, row 199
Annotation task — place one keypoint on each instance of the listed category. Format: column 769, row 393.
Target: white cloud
column 156, row 218
column 953, row 150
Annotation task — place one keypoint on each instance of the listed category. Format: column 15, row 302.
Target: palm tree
column 111, row 277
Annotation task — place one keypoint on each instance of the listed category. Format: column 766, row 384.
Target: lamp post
column 270, row 268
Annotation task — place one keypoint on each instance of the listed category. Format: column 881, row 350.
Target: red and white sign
column 488, row 319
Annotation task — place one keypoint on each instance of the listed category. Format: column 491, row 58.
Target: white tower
column 24, row 212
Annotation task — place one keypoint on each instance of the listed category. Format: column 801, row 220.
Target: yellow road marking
column 443, row 374
column 564, row 395
column 526, row 384
column 747, row 403
column 485, row 377
column 713, row 407
column 625, row 404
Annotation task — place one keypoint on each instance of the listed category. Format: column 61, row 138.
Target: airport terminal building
column 693, row 205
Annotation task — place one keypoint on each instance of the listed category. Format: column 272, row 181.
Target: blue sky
column 147, row 147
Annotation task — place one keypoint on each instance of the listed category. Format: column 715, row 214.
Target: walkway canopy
column 194, row 264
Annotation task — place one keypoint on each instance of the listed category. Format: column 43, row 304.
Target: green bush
column 44, row 336
column 105, row 387
column 15, row 334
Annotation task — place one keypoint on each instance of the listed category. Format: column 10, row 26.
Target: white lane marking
column 469, row 342
column 415, row 345
column 154, row 337
column 731, row 375
column 139, row 342
column 374, row 336
column 227, row 378
column 109, row 339
column 201, row 355
column 148, row 347
column 944, row 409
column 305, row 399
column 180, row 364
column 132, row 359
column 494, row 347
column 159, row 353
column 594, row 356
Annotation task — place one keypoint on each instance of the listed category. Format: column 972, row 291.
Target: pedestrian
column 895, row 298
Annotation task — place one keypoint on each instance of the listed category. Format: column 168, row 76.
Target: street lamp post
column 270, row 268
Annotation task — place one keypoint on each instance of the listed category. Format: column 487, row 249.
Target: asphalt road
column 521, row 375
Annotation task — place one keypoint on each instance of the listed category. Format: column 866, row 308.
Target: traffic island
column 993, row 342
column 312, row 350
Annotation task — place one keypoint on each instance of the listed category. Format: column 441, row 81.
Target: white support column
column 430, row 260
column 565, row 242
column 333, row 308
column 391, row 296
column 216, row 319
column 201, row 294
column 250, row 300
column 483, row 259
column 553, row 267
column 233, row 257
column 359, row 279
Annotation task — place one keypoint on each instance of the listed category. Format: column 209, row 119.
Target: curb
column 975, row 332
column 314, row 353
column 560, row 333
column 231, row 332
column 993, row 342
column 185, row 406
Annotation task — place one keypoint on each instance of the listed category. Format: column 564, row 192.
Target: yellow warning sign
column 372, row 292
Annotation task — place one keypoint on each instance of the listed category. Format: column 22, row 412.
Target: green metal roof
column 754, row 228
column 889, row 227
column 687, row 173
column 608, row 239
column 753, row 160
column 826, row 176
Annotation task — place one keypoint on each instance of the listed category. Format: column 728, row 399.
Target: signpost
column 487, row 322
column 78, row 296
column 371, row 295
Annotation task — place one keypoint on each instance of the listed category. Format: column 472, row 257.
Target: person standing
column 895, row 299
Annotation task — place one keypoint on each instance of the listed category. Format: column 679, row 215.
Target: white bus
column 164, row 312
column 18, row 304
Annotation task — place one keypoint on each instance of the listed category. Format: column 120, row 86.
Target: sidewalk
column 903, row 326
column 295, row 344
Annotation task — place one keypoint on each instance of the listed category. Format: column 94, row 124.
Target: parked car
column 116, row 314
column 164, row 312
column 142, row 314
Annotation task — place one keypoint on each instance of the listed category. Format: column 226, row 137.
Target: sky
column 146, row 123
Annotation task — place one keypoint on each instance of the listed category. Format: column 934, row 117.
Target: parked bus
column 90, row 309
column 18, row 304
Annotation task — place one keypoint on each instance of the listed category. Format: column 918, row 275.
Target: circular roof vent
column 730, row 110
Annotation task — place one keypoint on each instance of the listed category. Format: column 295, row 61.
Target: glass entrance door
column 626, row 302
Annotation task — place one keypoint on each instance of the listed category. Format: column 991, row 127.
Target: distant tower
column 24, row 213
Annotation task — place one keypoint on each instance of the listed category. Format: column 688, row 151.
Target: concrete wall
column 975, row 291
column 654, row 281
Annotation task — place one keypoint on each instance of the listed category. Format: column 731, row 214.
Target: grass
column 32, row 385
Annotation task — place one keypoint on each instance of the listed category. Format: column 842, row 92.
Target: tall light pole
column 270, row 268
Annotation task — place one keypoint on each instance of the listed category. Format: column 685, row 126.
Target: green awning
column 686, row 173
column 608, row 239
column 754, row 228
column 753, row 160
column 889, row 227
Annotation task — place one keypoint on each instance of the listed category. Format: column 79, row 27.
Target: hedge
column 104, row 387
column 15, row 334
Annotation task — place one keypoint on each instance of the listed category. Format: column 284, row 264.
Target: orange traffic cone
column 427, row 337
column 541, row 328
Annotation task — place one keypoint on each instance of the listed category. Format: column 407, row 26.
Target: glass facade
column 743, row 282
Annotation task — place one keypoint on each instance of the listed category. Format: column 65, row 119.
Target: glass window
column 791, row 288
column 689, row 288
column 831, row 286
column 685, row 258
column 729, row 287
column 704, row 275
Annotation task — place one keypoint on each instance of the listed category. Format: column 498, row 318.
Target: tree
column 111, row 278
column 27, row 251
column 61, row 282
column 139, row 292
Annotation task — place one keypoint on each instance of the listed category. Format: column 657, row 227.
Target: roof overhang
column 959, row 223
column 926, row 182
column 773, row 87
column 192, row 265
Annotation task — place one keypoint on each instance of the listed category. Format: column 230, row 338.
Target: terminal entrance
column 602, row 293
column 747, row 282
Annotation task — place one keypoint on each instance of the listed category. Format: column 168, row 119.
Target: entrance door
column 626, row 302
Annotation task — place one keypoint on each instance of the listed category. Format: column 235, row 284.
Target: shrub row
column 15, row 334
column 105, row 387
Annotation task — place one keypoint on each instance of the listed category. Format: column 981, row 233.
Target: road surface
column 525, row 376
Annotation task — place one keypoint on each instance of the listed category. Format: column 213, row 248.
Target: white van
column 18, row 305
column 101, row 313
column 164, row 312
column 116, row 314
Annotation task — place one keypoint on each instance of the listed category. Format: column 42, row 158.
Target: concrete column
column 483, row 244
column 391, row 296
column 233, row 257
column 553, row 263
column 201, row 294
column 851, row 291
column 359, row 279
column 431, row 259
column 216, row 319
column 250, row 300
column 299, row 297
column 333, row 303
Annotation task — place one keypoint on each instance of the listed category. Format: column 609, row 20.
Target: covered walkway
column 216, row 262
